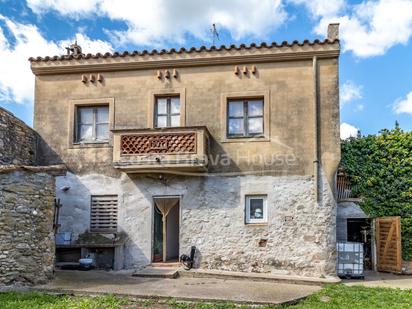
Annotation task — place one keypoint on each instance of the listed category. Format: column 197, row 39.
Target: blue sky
column 375, row 64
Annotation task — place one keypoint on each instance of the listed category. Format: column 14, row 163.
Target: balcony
column 179, row 149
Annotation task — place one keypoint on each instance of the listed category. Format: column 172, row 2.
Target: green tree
column 380, row 170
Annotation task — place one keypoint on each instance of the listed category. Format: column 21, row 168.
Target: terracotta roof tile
column 183, row 50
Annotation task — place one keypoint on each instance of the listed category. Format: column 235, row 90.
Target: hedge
column 380, row 171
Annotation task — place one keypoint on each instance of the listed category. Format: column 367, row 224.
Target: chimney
column 333, row 32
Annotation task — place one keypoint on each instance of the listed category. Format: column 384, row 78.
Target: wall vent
column 103, row 213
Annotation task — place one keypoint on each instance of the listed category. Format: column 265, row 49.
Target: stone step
column 166, row 265
column 153, row 272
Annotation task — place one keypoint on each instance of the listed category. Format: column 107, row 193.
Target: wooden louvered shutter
column 103, row 213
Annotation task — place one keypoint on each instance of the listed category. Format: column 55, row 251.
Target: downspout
column 315, row 128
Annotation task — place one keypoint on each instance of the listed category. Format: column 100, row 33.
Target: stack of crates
column 350, row 259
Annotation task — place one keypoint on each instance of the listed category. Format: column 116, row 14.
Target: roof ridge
column 184, row 50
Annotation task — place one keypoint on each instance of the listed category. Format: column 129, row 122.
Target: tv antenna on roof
column 215, row 34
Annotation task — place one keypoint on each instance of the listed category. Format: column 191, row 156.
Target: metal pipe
column 164, row 227
column 315, row 128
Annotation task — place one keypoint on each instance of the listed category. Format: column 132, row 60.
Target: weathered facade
column 27, row 195
column 239, row 146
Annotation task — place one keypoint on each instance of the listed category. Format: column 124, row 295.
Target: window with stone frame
column 103, row 213
column 167, row 112
column 256, row 209
column 92, row 124
column 245, row 118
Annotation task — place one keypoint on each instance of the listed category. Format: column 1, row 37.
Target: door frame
column 154, row 197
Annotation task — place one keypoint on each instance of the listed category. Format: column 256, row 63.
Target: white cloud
column 359, row 107
column 367, row 29
column 350, row 92
column 347, row 130
column 65, row 7
column 158, row 21
column 16, row 78
column 403, row 105
column 88, row 45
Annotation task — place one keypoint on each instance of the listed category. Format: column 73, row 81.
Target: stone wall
column 299, row 235
column 27, row 193
column 26, row 227
column 17, row 141
column 299, row 238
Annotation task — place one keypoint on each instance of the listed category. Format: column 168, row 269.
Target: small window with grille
column 103, row 213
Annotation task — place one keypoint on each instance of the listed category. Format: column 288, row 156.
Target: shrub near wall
column 380, row 169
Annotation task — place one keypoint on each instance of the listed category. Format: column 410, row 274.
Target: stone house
column 232, row 149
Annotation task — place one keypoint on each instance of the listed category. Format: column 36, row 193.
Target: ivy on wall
column 380, row 170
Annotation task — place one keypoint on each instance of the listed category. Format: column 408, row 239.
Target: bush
column 380, row 170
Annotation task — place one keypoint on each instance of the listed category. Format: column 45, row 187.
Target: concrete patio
column 184, row 288
column 383, row 280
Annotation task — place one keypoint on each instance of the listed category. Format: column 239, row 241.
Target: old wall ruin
column 27, row 193
column 26, row 227
column 17, row 141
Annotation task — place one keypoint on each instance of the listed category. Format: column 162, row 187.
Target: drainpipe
column 315, row 128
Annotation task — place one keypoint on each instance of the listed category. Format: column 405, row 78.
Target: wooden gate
column 388, row 244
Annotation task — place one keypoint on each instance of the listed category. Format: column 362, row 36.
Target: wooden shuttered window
column 103, row 213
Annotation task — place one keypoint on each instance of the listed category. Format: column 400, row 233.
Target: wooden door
column 388, row 244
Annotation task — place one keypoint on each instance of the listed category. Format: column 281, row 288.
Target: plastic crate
column 350, row 259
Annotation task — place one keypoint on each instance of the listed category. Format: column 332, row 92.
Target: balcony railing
column 165, row 149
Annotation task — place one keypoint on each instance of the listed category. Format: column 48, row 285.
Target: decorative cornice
column 185, row 58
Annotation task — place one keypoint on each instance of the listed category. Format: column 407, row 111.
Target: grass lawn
column 332, row 296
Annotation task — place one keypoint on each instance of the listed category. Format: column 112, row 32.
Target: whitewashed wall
column 300, row 234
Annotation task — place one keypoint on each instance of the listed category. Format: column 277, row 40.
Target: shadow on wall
column 75, row 194
column 219, row 160
column 197, row 194
column 45, row 155
column 275, row 158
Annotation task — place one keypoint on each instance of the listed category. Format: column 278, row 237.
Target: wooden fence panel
column 388, row 244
